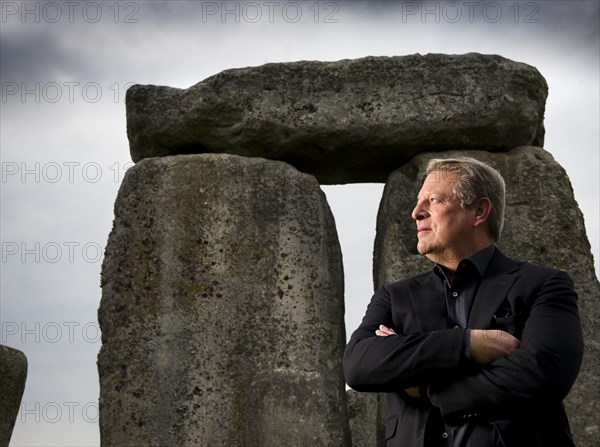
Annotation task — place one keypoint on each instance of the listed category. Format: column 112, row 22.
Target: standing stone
column 222, row 308
column 347, row 121
column 543, row 225
column 367, row 413
column 13, row 373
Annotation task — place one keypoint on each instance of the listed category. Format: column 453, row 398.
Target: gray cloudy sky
column 64, row 68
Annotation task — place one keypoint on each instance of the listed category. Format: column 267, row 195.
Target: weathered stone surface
column 367, row 413
column 13, row 373
column 543, row 225
column 222, row 308
column 346, row 121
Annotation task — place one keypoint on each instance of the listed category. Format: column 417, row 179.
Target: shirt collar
column 480, row 260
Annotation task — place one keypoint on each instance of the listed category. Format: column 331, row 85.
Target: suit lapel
column 497, row 280
column 428, row 300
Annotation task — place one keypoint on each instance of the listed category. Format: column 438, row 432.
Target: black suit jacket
column 521, row 394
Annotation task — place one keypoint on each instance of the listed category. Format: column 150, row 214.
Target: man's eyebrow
column 437, row 194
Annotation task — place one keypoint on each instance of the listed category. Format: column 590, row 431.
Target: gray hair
column 474, row 180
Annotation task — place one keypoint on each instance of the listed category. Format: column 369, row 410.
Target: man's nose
column 419, row 212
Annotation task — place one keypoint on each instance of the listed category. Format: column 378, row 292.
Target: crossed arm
column 502, row 370
column 486, row 346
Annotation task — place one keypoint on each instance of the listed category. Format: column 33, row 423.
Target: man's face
column 444, row 228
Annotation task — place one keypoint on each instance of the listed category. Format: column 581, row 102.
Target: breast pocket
column 509, row 320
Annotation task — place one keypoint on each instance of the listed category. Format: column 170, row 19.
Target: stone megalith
column 222, row 309
column 543, row 225
column 347, row 121
column 13, row 374
column 367, row 415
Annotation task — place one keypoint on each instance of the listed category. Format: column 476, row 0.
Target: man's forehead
column 437, row 182
column 442, row 176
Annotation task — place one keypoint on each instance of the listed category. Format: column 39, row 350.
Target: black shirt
column 459, row 295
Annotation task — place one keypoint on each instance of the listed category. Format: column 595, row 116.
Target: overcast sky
column 65, row 67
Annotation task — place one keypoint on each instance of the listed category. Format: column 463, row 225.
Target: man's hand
column 413, row 392
column 488, row 345
column 384, row 331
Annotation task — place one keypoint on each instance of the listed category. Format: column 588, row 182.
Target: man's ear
column 482, row 209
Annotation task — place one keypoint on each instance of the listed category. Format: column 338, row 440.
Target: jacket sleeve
column 543, row 368
column 397, row 362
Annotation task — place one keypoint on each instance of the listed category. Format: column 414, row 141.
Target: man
column 481, row 350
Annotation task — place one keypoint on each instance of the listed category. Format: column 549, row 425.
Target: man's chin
column 423, row 248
